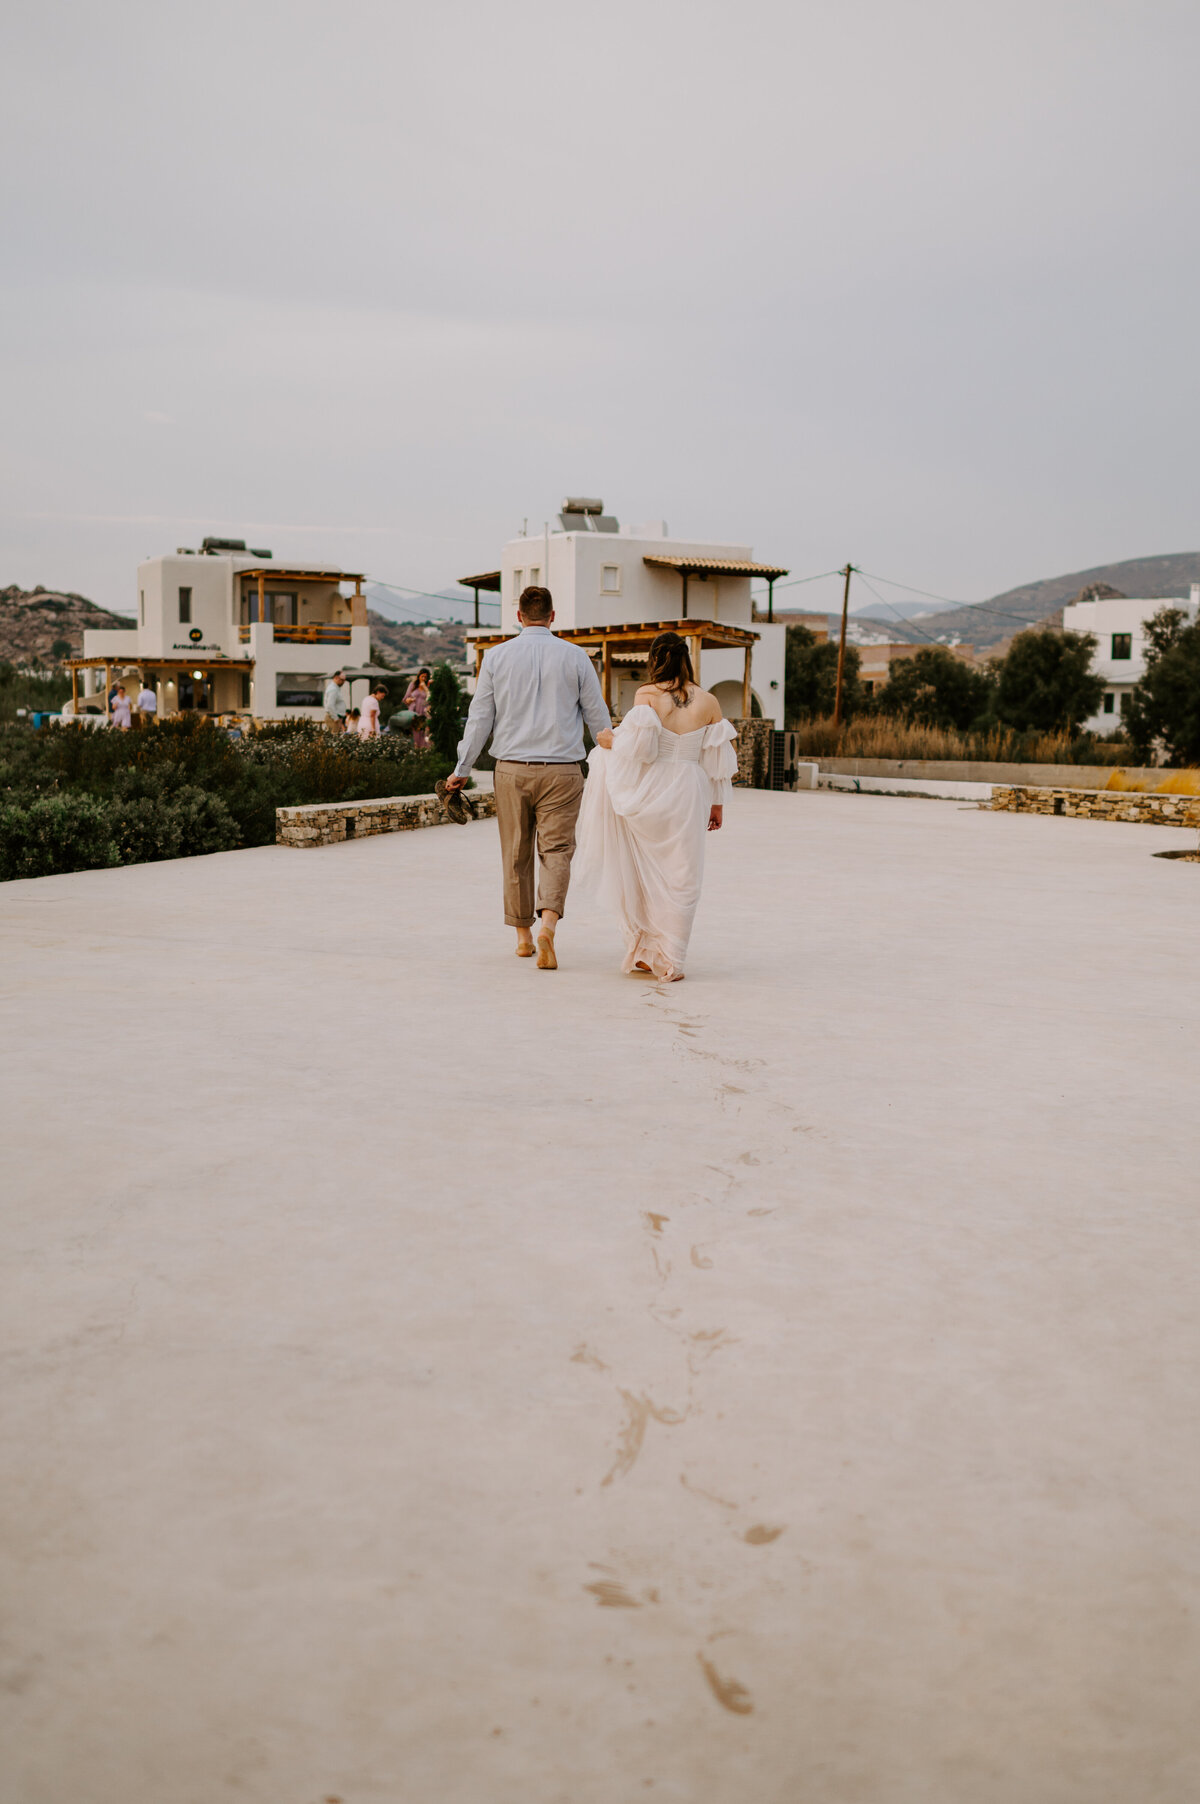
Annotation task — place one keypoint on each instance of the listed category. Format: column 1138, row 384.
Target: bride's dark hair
column 670, row 665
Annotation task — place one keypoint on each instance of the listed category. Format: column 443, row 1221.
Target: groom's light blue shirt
column 534, row 694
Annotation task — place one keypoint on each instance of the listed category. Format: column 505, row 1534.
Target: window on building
column 141, row 607
column 1125, row 702
column 518, row 583
column 535, row 576
column 245, row 688
column 610, row 579
column 298, row 689
column 1122, row 645
column 185, row 606
column 1109, row 702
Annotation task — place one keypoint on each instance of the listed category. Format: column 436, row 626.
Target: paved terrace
column 436, row 1381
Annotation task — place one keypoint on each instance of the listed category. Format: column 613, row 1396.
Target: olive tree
column 1164, row 708
column 1046, row 684
column 936, row 689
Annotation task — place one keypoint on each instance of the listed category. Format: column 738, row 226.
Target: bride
column 647, row 805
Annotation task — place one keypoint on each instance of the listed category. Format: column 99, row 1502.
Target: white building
column 605, row 576
column 1120, row 655
column 224, row 630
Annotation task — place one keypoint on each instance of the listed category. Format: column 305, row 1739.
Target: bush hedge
column 75, row 799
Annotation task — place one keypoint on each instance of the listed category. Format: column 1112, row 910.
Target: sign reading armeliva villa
column 194, row 645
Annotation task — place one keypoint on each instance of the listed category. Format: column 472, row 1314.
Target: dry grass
column 880, row 736
column 1178, row 783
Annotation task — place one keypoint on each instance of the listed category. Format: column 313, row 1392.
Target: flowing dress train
column 642, row 828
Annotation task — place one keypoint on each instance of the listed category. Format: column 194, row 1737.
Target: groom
column 534, row 696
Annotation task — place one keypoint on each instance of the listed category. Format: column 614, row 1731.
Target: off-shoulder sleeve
column 719, row 760
column 636, row 739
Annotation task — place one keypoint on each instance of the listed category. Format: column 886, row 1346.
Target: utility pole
column 837, row 700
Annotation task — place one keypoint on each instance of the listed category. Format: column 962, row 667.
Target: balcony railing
column 321, row 633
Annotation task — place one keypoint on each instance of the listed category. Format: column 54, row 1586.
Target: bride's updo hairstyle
column 670, row 665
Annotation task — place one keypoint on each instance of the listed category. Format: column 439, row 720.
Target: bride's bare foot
column 640, row 966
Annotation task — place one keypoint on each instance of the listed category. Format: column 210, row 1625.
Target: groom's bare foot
column 524, row 942
column 545, row 948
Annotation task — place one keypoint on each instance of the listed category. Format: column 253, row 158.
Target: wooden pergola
column 207, row 667
column 487, row 579
column 633, row 639
column 701, row 568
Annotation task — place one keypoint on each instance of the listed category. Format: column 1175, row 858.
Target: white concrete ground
column 435, row 1381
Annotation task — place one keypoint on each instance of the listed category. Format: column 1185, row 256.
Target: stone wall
column 1098, row 804
column 328, row 823
column 753, row 752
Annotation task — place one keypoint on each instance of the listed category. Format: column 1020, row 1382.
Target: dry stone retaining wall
column 328, row 823
column 1098, row 804
column 753, row 752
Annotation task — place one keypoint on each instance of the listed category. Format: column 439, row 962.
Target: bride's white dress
column 642, row 828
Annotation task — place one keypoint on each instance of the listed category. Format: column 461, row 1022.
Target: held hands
column 716, row 815
column 605, row 738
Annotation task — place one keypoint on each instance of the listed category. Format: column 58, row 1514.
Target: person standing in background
column 121, row 709
column 147, row 704
column 335, row 702
column 368, row 726
column 416, row 697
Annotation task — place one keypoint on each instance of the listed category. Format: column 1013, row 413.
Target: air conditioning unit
column 783, row 766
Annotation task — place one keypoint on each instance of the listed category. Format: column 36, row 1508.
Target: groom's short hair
column 536, row 604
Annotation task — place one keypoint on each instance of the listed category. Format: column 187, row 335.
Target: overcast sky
column 911, row 284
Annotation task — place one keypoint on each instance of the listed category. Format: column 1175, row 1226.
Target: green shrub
column 186, row 787
column 55, row 834
column 445, row 712
column 184, row 824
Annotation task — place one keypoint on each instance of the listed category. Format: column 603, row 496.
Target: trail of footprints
column 640, row 1412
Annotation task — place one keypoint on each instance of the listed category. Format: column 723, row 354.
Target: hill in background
column 412, row 643
column 987, row 625
column 34, row 621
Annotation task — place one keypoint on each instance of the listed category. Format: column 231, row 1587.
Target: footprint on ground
column 729, row 1693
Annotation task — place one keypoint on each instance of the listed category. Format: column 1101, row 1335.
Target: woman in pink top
column 416, row 697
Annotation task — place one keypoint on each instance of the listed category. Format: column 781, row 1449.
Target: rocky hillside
column 404, row 644
column 996, row 620
column 41, row 627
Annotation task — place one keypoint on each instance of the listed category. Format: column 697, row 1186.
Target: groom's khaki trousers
column 536, row 802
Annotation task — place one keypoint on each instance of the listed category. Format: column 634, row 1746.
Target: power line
column 913, row 627
column 427, row 594
column 983, row 607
